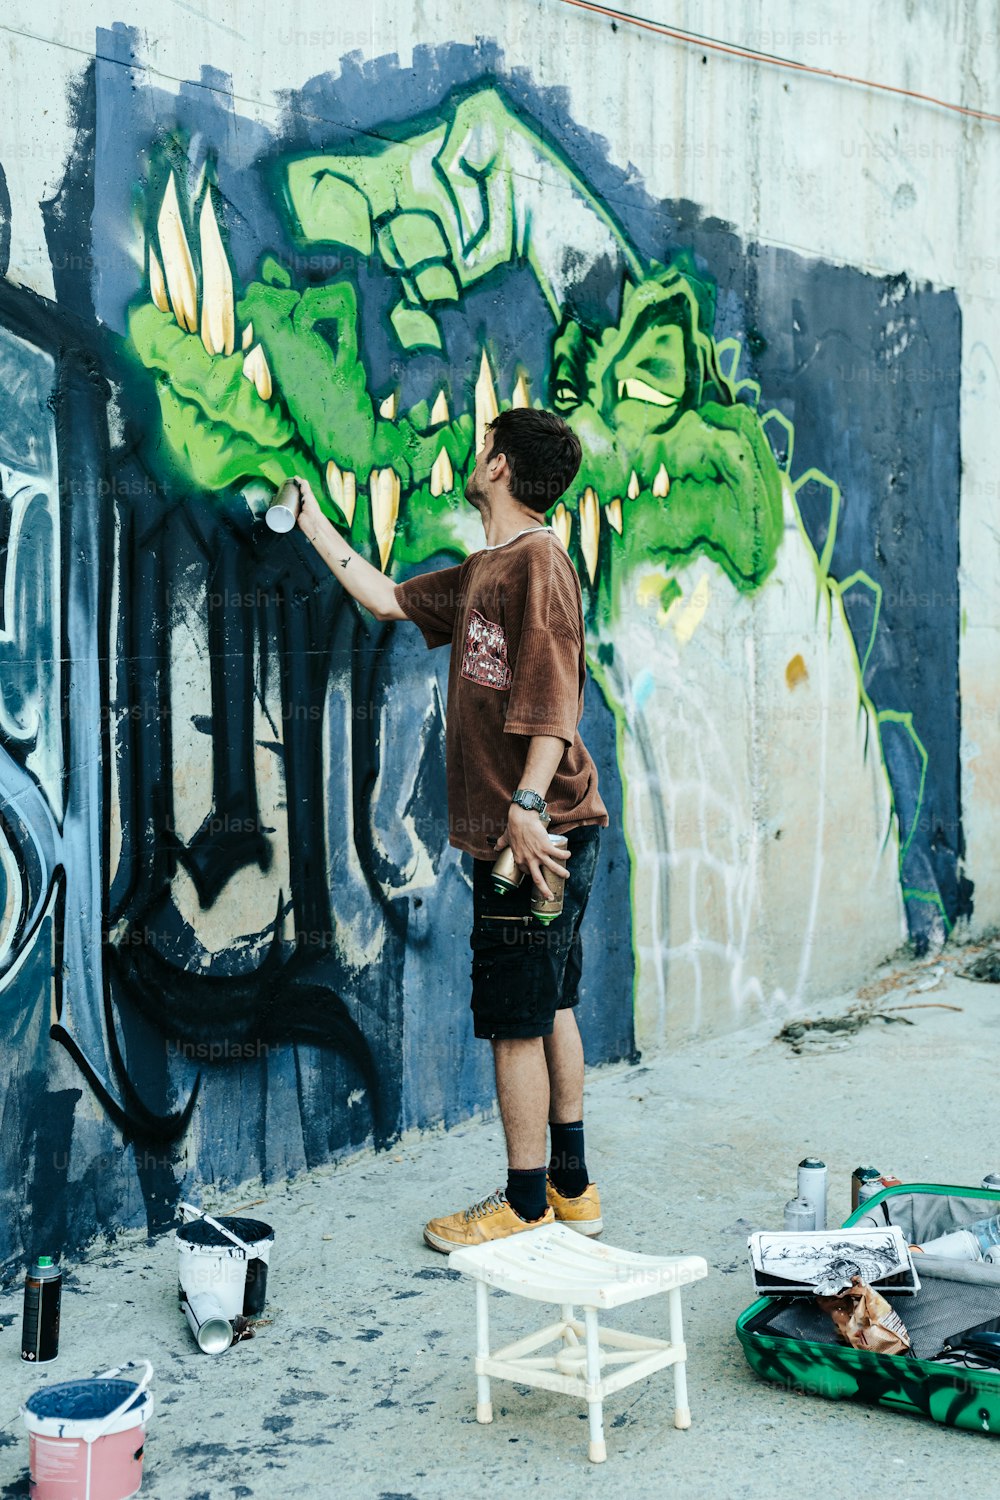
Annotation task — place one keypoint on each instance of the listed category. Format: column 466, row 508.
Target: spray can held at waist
column 507, row 876
column 42, row 1298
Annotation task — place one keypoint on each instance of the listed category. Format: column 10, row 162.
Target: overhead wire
column 772, row 59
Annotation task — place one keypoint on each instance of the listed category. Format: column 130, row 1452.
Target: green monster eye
column 566, row 396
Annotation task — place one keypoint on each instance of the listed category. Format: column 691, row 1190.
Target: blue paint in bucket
column 82, row 1400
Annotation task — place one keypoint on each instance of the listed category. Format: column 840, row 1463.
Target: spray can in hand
column 283, row 511
column 543, row 909
column 507, row 876
column 42, row 1296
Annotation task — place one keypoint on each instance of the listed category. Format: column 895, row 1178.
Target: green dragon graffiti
column 273, row 382
column 270, row 380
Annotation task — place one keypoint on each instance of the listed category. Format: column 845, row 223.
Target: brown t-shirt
column 515, row 615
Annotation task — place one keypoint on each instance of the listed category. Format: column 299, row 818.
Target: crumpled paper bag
column 865, row 1320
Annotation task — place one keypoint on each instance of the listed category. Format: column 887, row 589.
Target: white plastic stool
column 558, row 1265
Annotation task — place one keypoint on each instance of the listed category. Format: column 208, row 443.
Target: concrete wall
column 238, row 245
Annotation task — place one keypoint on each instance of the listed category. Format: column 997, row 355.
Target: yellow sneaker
column 582, row 1214
column 492, row 1219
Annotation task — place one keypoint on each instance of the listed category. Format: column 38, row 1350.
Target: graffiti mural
column 234, row 935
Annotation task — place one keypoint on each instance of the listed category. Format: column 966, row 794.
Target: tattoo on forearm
column 344, row 561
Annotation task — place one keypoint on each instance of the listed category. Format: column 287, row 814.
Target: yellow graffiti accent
column 796, row 671
column 649, row 588
column 686, row 617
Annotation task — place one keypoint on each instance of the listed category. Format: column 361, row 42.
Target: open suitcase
column 792, row 1341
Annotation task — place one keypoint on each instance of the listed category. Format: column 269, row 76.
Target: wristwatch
column 529, row 800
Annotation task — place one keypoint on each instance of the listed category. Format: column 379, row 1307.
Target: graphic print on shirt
column 485, row 656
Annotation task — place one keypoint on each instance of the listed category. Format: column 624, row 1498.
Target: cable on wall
column 692, row 38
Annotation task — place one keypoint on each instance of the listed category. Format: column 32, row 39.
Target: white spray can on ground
column 812, row 1186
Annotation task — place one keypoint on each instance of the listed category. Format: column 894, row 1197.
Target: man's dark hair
column 542, row 453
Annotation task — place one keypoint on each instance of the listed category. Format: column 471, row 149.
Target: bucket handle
column 105, row 1422
column 199, row 1213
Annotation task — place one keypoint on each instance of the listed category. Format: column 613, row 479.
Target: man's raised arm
column 370, row 587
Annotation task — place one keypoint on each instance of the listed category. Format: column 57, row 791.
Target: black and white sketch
column 822, row 1262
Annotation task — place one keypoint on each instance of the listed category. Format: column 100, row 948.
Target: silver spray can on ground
column 212, row 1329
column 991, row 1182
column 799, row 1214
column 864, row 1182
column 283, row 511
column 812, row 1186
column 868, row 1189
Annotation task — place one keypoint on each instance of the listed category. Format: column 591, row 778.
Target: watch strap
column 529, row 800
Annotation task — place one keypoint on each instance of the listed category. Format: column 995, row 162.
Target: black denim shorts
column 522, row 970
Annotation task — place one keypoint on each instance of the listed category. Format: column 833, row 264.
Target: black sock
column 526, row 1192
column 567, row 1166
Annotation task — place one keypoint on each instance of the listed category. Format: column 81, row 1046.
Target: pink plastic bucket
column 86, row 1437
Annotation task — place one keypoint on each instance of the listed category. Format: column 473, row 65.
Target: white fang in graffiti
column 218, row 324
column 256, row 368
column 442, row 474
column 342, row 486
column 561, row 523
column 384, row 488
column 486, row 401
column 177, row 263
column 590, row 530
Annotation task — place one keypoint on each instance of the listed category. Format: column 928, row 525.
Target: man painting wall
column 513, row 613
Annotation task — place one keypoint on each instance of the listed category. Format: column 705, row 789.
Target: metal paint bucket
column 226, row 1260
column 86, row 1437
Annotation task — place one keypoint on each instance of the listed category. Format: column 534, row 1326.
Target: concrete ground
column 362, row 1384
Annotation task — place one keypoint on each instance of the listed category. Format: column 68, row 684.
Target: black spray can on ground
column 42, row 1295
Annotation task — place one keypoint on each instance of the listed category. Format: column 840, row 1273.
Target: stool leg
column 484, row 1406
column 598, row 1451
column 682, row 1412
column 567, row 1316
